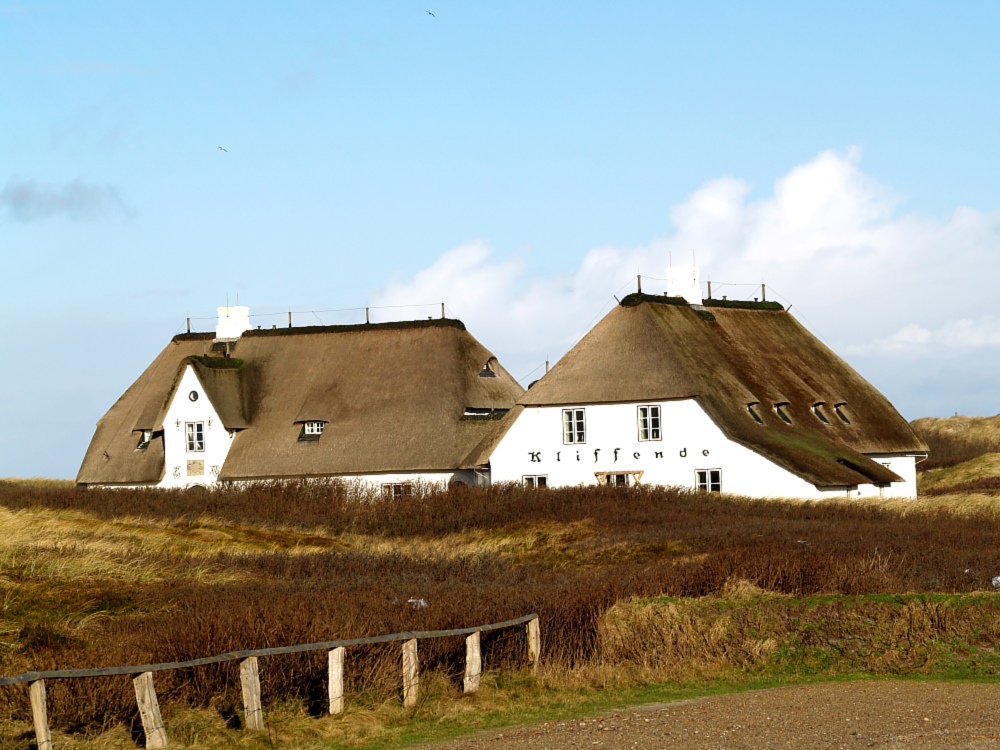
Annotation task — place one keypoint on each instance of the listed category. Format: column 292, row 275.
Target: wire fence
column 342, row 315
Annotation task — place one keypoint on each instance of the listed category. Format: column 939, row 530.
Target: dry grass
column 952, row 440
column 87, row 580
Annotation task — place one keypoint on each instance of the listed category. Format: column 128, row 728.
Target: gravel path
column 896, row 715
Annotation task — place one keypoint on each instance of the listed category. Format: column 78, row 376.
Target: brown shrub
column 664, row 541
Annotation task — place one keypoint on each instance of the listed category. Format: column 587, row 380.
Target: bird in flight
column 223, row 149
column 431, row 14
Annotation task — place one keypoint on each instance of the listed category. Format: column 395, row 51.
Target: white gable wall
column 182, row 467
column 903, row 464
column 690, row 441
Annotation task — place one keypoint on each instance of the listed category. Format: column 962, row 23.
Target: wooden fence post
column 473, row 663
column 411, row 672
column 250, row 680
column 149, row 710
column 534, row 644
column 336, row 657
column 40, row 715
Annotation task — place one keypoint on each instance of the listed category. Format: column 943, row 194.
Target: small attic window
column 752, row 410
column 144, row 440
column 487, row 371
column 781, row 409
column 817, row 409
column 838, row 409
column 312, row 430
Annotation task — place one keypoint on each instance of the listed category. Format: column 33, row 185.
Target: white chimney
column 233, row 321
column 682, row 281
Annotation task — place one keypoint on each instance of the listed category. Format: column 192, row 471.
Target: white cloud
column 952, row 337
column 870, row 279
column 29, row 200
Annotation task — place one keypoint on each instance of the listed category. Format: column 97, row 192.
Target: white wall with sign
column 689, row 442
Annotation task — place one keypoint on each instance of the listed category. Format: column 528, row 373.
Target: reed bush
column 473, row 555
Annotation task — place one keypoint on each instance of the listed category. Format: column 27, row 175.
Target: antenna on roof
column 638, row 277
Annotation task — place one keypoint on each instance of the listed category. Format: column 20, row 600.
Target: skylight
column 780, row 410
column 818, row 411
column 838, row 409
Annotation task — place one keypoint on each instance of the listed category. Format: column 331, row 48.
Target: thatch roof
column 393, row 395
column 652, row 349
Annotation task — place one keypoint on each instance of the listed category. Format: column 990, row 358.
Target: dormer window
column 781, row 409
column 144, row 440
column 312, row 430
column 817, row 409
column 752, row 411
column 838, row 409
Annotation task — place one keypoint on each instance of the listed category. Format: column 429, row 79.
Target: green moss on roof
column 396, row 326
column 219, row 363
column 203, row 336
column 637, row 298
column 743, row 304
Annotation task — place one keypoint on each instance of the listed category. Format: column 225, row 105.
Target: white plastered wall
column 690, row 441
column 423, row 479
column 903, row 464
column 182, row 468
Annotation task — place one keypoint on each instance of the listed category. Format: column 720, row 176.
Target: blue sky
column 520, row 161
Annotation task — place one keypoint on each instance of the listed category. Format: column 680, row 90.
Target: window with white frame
column 195, row 436
column 708, row 480
column 536, row 481
column 619, row 478
column 649, row 422
column 397, row 490
column 574, row 426
column 312, row 430
column 144, row 440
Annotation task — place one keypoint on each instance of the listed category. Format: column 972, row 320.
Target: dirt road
column 895, row 715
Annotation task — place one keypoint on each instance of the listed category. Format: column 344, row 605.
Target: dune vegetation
column 637, row 590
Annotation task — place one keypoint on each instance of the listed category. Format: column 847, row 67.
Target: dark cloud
column 30, row 200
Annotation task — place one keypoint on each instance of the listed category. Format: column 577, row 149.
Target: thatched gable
column 652, row 348
column 393, row 396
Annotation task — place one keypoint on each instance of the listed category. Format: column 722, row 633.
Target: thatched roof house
column 663, row 391
column 392, row 402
